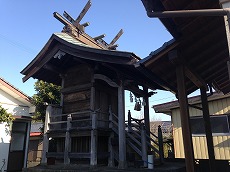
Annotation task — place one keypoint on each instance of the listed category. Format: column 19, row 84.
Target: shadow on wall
column 4, row 147
column 21, row 111
column 224, row 144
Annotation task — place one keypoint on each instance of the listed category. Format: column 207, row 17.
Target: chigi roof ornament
column 75, row 29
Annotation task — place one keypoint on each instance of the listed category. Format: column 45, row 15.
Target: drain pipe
column 189, row 13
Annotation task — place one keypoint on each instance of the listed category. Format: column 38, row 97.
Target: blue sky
column 27, row 25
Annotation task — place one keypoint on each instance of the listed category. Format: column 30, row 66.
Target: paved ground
column 167, row 167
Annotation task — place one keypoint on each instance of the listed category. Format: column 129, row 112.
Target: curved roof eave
column 68, row 44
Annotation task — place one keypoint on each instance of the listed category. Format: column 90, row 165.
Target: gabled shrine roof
column 63, row 51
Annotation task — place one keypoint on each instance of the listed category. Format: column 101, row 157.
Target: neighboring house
column 166, row 127
column 219, row 108
column 35, row 144
column 14, row 139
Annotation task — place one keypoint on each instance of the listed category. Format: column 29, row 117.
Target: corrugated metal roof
column 70, row 39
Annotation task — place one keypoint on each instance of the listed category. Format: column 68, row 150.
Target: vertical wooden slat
column 198, row 147
column 194, row 147
column 220, row 145
column 228, row 102
column 216, row 149
column 176, row 139
column 226, row 145
column 203, row 146
column 211, row 108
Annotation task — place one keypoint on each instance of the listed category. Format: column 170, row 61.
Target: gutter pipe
column 189, row 13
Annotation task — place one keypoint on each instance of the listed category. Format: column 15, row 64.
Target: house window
column 219, row 124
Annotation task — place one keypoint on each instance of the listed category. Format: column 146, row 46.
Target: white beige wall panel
column 177, row 134
column 221, row 142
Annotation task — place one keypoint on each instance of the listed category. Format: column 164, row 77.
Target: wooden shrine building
column 89, row 125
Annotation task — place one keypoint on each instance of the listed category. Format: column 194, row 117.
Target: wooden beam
column 208, row 129
column 71, row 20
column 42, row 63
column 160, row 54
column 154, row 78
column 52, row 68
column 83, row 12
column 106, row 79
column 189, row 72
column 185, row 123
column 99, row 37
column 61, row 19
column 116, row 37
column 194, row 77
column 76, row 88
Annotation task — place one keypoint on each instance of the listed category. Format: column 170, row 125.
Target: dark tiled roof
column 35, row 127
column 167, row 107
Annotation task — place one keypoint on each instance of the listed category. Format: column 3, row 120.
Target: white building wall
column 4, row 145
column 12, row 105
column 17, row 108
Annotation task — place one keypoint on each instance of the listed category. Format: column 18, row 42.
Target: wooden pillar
column 121, row 127
column 146, row 116
column 45, row 137
column 62, row 86
column 184, row 113
column 208, row 129
column 146, row 111
column 144, row 145
column 111, row 136
column 129, row 121
column 67, row 141
column 111, row 151
column 161, row 144
column 94, row 134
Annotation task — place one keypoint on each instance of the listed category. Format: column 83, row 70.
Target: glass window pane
column 17, row 141
column 19, row 126
column 219, row 124
column 197, row 125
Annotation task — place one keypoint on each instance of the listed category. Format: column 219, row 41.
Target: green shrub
column 5, row 116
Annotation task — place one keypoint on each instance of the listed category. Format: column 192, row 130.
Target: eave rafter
column 41, row 64
column 189, row 72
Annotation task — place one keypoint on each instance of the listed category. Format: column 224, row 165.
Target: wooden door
column 17, row 146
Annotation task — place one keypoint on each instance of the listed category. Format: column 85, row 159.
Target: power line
column 17, row 44
column 162, row 99
column 156, row 100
